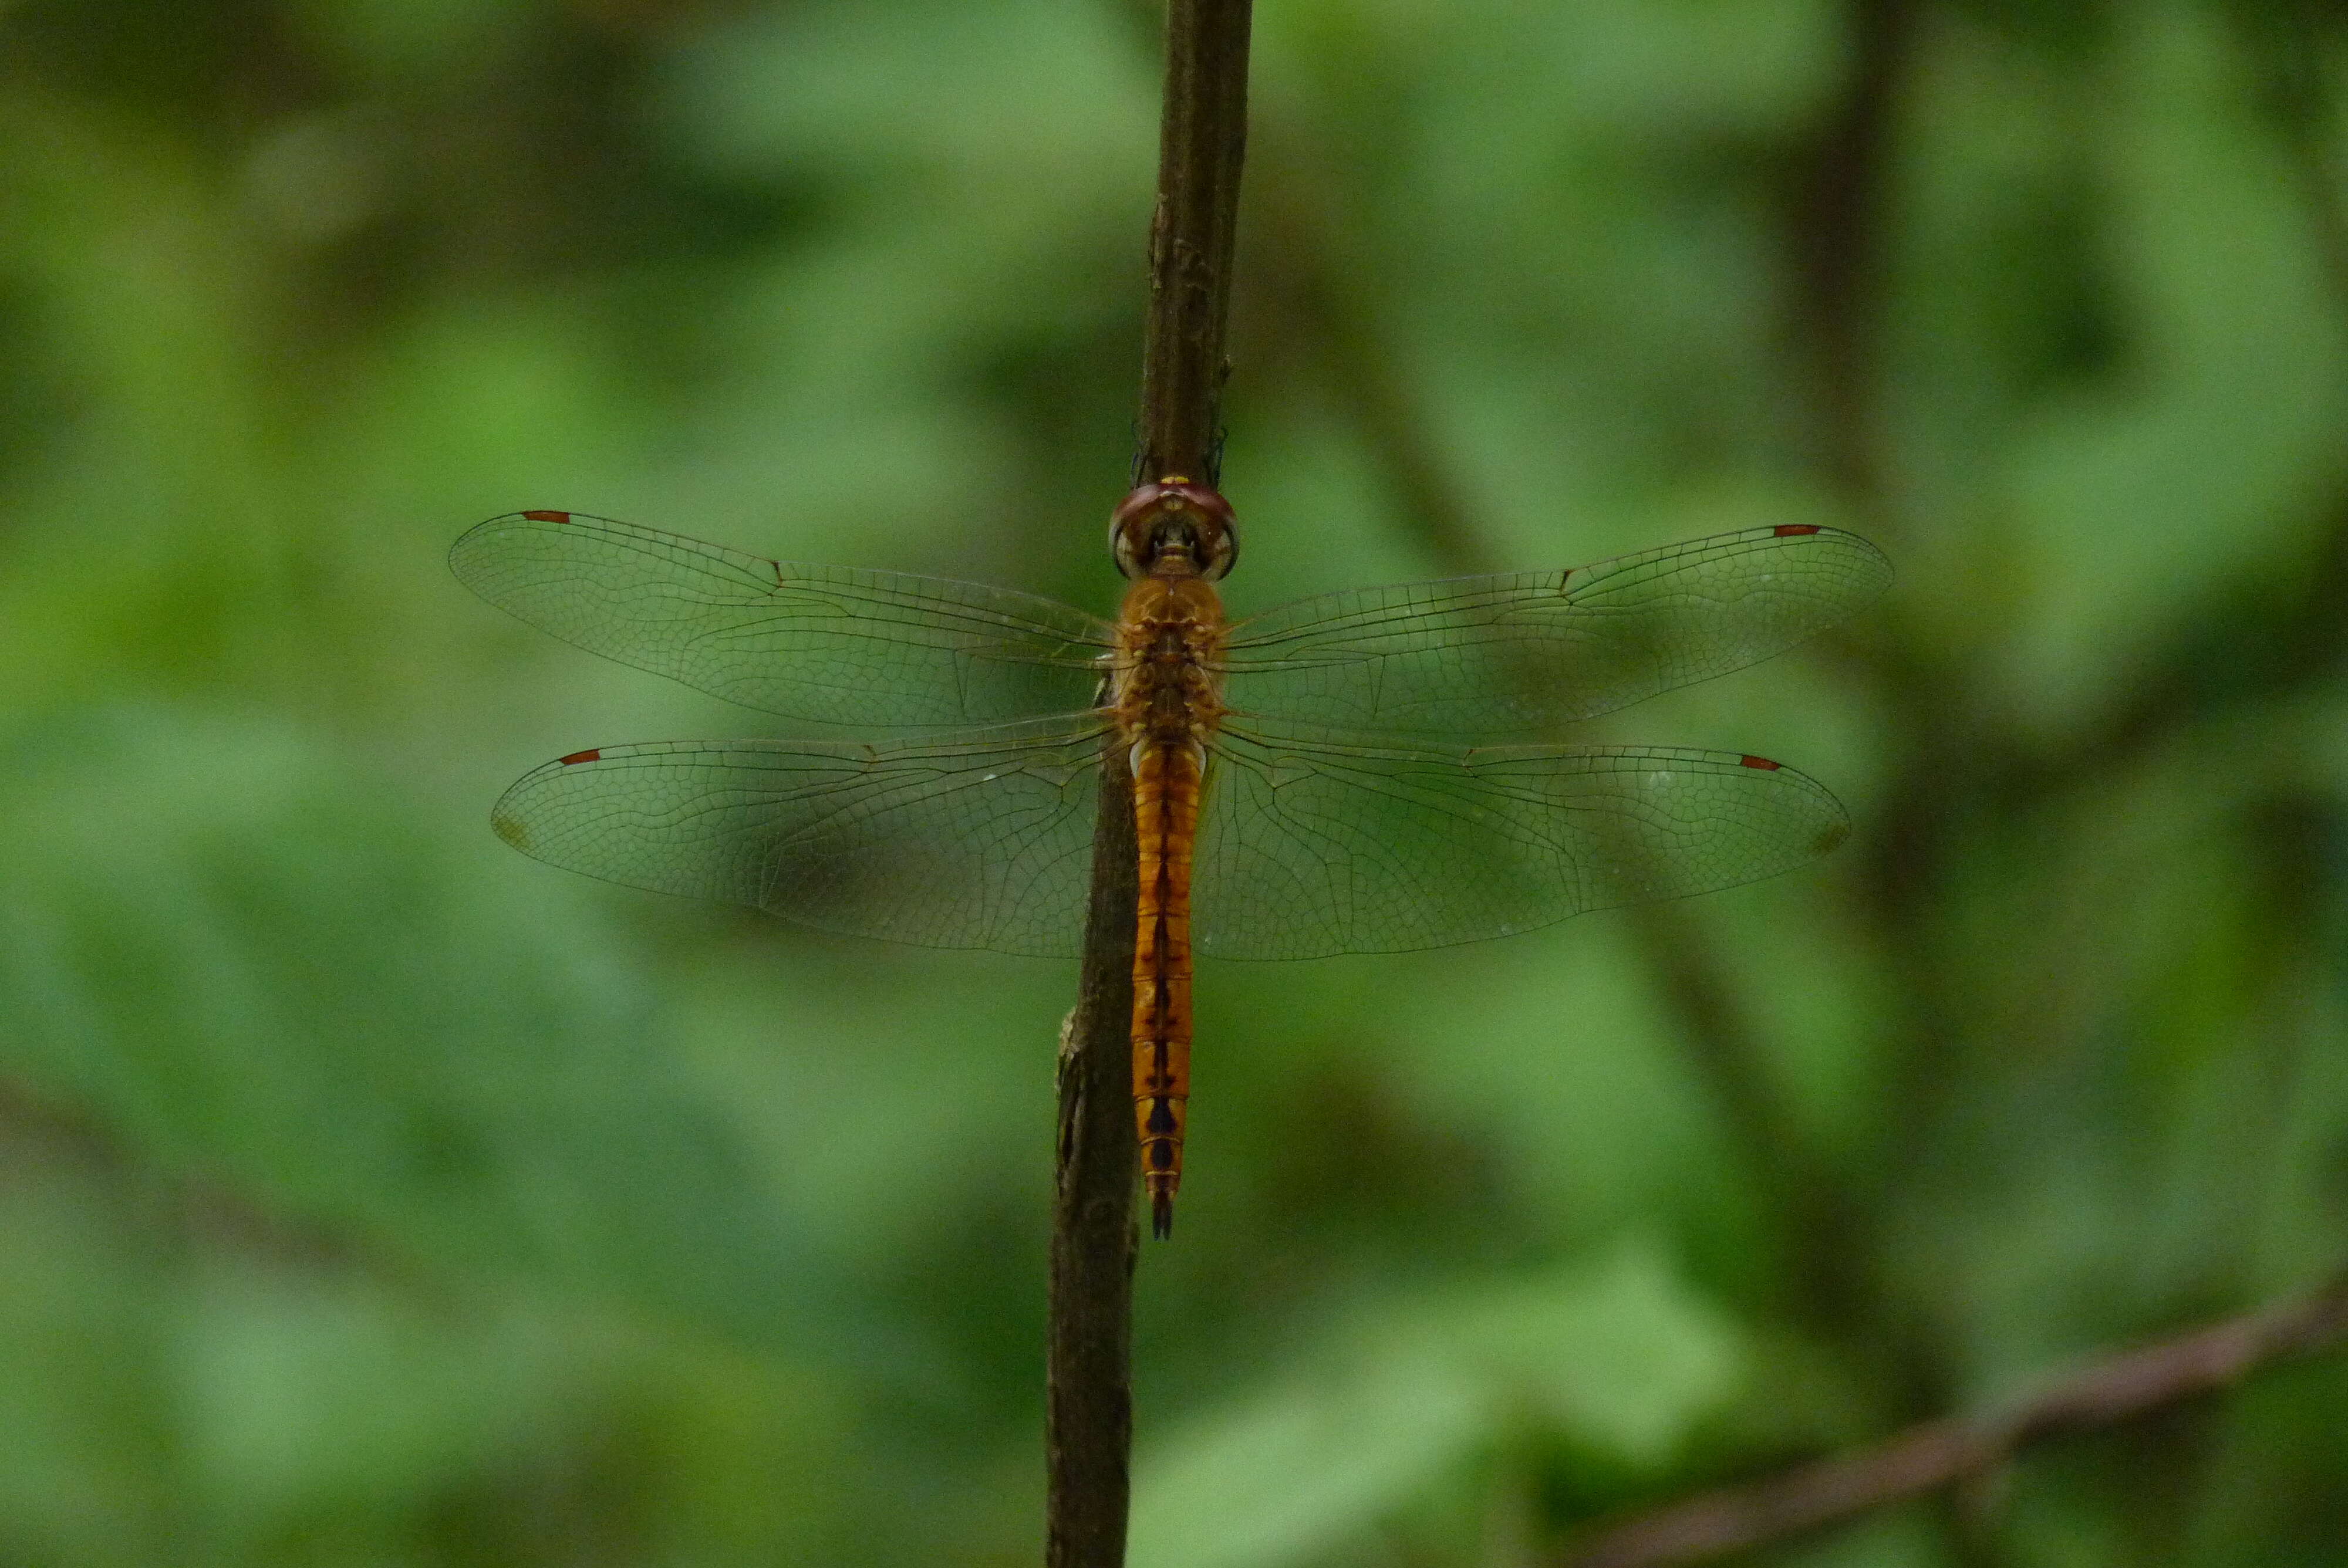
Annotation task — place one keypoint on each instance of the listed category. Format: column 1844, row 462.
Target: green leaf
column 1292, row 1474
column 248, row 960
column 1622, row 1356
column 1617, row 1355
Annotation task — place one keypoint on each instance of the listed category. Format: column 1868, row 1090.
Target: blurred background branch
column 1938, row 1454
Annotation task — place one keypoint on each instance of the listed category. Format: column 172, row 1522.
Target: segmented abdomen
column 1166, row 787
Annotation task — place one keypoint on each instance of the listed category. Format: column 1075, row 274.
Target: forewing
column 1523, row 654
column 977, row 840
column 1307, row 848
column 830, row 644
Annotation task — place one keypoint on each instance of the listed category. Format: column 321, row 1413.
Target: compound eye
column 1214, row 531
column 1135, row 526
column 1122, row 546
column 1218, row 548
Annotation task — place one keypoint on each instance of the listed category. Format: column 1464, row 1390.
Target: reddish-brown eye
column 1218, row 544
column 1215, row 538
column 1129, row 527
column 1125, row 545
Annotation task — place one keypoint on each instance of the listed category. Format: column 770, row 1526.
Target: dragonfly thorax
column 1171, row 639
column 1174, row 529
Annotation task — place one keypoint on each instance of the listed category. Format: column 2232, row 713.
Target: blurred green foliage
column 372, row 1195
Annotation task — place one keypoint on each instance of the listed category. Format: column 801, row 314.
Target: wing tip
column 480, row 533
column 509, row 827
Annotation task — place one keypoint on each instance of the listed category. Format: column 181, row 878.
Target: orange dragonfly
column 1365, row 772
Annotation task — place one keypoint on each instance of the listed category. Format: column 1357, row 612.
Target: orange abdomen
column 1166, row 787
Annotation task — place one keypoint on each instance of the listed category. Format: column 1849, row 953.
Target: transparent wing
column 1308, row 846
column 831, row 644
column 977, row 840
column 1526, row 652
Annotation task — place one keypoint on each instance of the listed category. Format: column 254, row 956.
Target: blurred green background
column 371, row 1195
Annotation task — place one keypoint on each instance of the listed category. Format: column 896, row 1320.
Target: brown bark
column 1089, row 1394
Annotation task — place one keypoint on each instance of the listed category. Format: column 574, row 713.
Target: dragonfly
column 1370, row 771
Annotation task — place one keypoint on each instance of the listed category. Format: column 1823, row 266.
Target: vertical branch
column 1088, row 1421
column 1202, row 138
column 1088, row 1393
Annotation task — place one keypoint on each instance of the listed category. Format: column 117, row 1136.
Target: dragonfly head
column 1174, row 527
